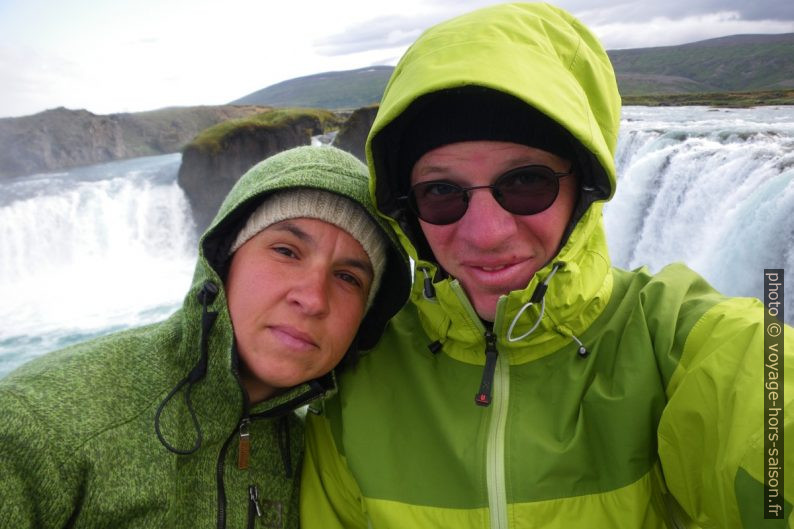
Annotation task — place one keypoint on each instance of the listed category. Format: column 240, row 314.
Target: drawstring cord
column 565, row 331
column 483, row 396
column 582, row 351
column 510, row 337
column 206, row 296
column 539, row 295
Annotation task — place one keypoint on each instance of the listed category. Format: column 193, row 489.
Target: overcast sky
column 126, row 56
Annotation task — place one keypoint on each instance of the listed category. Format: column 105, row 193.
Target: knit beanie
column 326, row 206
column 477, row 114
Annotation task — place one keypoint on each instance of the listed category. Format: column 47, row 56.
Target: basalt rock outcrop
column 218, row 157
column 61, row 138
column 352, row 135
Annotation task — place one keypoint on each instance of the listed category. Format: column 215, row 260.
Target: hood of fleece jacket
column 546, row 58
column 323, row 168
column 207, row 342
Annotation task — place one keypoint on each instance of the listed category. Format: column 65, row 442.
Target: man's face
column 490, row 250
column 296, row 294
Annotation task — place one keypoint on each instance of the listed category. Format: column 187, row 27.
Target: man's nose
column 486, row 224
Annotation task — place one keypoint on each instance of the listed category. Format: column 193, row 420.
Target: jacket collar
column 208, row 401
column 576, row 294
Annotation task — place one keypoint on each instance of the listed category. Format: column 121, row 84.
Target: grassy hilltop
column 737, row 71
column 741, row 63
column 742, row 70
column 346, row 90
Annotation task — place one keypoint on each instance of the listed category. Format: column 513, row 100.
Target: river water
column 101, row 248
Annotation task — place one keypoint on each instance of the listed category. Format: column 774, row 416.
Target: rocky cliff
column 218, row 157
column 352, row 135
column 61, row 138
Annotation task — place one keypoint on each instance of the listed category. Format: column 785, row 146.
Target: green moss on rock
column 213, row 139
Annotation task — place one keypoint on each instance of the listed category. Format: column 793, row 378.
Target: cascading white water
column 711, row 188
column 91, row 250
column 111, row 246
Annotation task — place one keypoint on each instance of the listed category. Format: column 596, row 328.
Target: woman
column 189, row 422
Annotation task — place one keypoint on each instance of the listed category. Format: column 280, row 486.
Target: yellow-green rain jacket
column 660, row 425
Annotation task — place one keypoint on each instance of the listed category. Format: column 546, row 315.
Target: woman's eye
column 285, row 251
column 349, row 278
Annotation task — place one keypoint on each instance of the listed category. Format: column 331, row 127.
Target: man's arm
column 711, row 434
column 330, row 497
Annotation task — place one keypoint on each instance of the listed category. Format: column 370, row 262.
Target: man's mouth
column 492, row 268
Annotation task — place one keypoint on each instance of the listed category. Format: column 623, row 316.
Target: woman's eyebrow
column 295, row 230
column 363, row 264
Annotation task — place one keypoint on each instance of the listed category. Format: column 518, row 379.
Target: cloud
column 756, row 10
column 31, row 79
column 621, row 24
column 634, row 11
column 379, row 33
column 163, row 54
column 663, row 31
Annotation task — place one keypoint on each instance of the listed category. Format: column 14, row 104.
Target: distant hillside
column 349, row 89
column 741, row 70
column 741, row 63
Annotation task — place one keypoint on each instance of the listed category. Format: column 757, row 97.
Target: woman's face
column 296, row 294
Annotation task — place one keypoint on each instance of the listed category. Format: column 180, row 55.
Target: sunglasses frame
column 496, row 192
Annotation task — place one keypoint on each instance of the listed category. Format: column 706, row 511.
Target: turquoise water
column 90, row 251
column 102, row 248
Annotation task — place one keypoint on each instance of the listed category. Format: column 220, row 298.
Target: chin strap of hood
column 539, row 296
column 206, row 296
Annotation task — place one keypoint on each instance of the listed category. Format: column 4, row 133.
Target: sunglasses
column 524, row 190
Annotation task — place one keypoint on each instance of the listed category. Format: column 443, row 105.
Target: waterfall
column 91, row 250
column 95, row 249
column 711, row 188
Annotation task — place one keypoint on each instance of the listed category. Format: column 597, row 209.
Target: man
column 190, row 422
column 528, row 383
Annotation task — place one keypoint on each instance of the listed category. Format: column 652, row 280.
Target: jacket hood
column 323, row 168
column 203, row 327
column 548, row 60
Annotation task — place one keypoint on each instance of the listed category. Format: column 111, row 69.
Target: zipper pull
column 483, row 397
column 244, row 448
column 428, row 289
column 253, row 495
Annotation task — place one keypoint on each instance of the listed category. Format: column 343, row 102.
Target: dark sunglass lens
column 528, row 190
column 438, row 202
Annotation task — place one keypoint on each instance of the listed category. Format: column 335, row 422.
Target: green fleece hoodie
column 142, row 428
column 618, row 400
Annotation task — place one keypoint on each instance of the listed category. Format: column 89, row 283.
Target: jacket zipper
column 219, row 481
column 495, row 450
column 483, row 397
column 495, row 387
column 244, row 452
column 254, row 510
column 244, row 445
